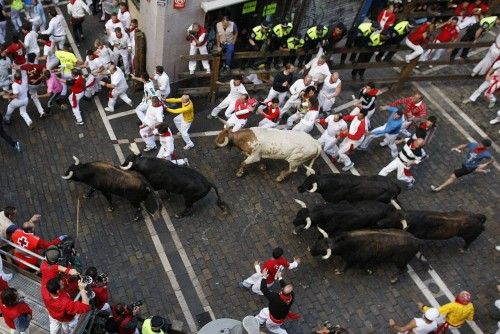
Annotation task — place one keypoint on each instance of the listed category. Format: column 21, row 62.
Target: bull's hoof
column 280, row 178
column 394, row 280
column 110, row 209
column 240, row 173
column 338, row 272
column 262, row 167
column 137, row 218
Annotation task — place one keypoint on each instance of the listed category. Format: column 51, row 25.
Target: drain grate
column 203, row 318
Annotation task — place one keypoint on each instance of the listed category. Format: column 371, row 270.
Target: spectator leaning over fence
column 16, row 313
column 227, row 34
column 278, row 35
column 474, row 33
column 293, row 45
column 336, row 34
column 449, row 34
column 63, row 311
column 197, row 37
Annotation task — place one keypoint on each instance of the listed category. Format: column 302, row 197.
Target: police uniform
column 293, row 44
column 397, row 34
column 376, row 40
column 361, row 38
column 314, row 35
column 279, row 33
column 485, row 24
column 259, row 35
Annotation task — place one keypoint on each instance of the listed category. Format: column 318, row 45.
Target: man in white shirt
column 118, row 88
column 121, row 48
column 332, row 86
column 197, row 37
column 236, row 89
column 318, row 69
column 30, row 40
column 56, row 28
column 49, row 52
column 76, row 11
column 112, row 24
column 96, row 73
column 124, row 15
column 19, row 99
column 494, row 71
column 163, row 82
column 295, row 90
column 152, row 118
column 149, row 92
column 328, row 140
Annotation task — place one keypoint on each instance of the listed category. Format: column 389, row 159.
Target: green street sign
column 270, row 9
column 249, row 7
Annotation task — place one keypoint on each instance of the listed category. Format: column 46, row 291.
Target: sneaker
column 411, row 184
column 491, row 104
column 43, row 115
column 108, row 109
column 434, row 188
column 188, row 147
column 151, row 148
column 383, row 144
column 17, row 147
column 242, row 286
column 7, row 277
column 495, row 121
column 129, row 103
column 473, row 74
column 80, row 123
column 191, row 72
column 186, row 162
column 210, row 116
column 466, row 101
column 348, row 167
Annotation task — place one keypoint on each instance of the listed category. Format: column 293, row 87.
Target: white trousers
column 433, row 54
column 271, row 326
column 324, row 102
column 125, row 58
column 33, row 91
column 235, row 122
column 3, row 29
column 60, row 40
column 267, row 123
column 293, row 118
column 272, row 94
column 302, row 126
column 167, row 149
column 292, row 103
column 115, row 93
column 183, row 128
column 67, row 327
column 13, row 331
column 92, row 84
column 21, row 104
column 417, row 50
column 345, row 146
column 76, row 106
column 148, row 135
column 203, row 50
column 484, row 86
column 253, row 282
column 140, row 110
column 15, row 17
column 228, row 104
column 466, row 21
column 485, row 64
column 396, row 164
column 329, row 144
column 389, row 140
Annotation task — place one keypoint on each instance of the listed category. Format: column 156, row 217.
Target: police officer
column 376, row 39
column 474, row 33
column 314, row 36
column 156, row 325
column 362, row 37
column 293, row 44
column 336, row 34
column 396, row 34
column 278, row 35
column 258, row 39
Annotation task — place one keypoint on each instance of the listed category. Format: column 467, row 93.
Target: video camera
column 87, row 280
column 134, row 305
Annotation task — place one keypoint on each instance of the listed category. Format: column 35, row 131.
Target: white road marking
column 121, row 114
column 154, row 236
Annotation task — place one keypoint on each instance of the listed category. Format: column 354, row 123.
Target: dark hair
column 26, row 26
column 238, row 77
column 114, row 14
column 9, row 211
column 92, row 272
column 67, row 46
column 433, row 119
column 277, row 252
column 31, row 57
column 134, row 21
column 159, row 69
column 313, row 102
column 162, row 127
column 52, row 12
column 54, row 285
column 309, row 89
column 145, row 76
column 9, row 297
column 45, row 37
column 275, row 100
column 15, row 38
column 486, row 142
column 371, row 84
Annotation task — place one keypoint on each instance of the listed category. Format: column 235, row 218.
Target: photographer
column 100, row 288
column 50, row 268
column 197, row 37
column 124, row 318
column 63, row 311
column 16, row 313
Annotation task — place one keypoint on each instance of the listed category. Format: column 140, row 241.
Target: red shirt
column 417, row 36
column 448, row 33
column 357, row 128
column 412, row 109
column 272, row 113
column 242, row 107
column 386, row 19
column 123, row 322
column 79, row 85
column 201, row 31
column 272, row 266
column 461, row 10
column 63, row 308
column 17, row 52
column 30, row 242
column 48, row 271
column 12, row 313
column 3, row 284
column 34, row 71
column 101, row 296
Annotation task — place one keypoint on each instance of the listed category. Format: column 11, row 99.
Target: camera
column 135, row 304
column 68, row 255
column 192, row 33
column 102, row 278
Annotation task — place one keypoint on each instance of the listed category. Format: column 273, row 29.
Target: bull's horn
column 328, row 254
column 314, row 188
column 299, row 202
column 395, row 204
column 404, row 223
column 224, row 143
column 323, row 232
column 309, row 170
column 67, row 177
column 308, row 223
column 77, row 162
column 129, row 165
column 134, row 149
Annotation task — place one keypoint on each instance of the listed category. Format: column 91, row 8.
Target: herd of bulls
column 360, row 221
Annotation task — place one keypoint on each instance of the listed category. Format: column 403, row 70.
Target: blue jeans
column 229, row 51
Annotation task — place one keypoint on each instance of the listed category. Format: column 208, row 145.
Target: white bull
column 296, row 147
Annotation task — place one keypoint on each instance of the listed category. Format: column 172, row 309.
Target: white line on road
column 121, row 114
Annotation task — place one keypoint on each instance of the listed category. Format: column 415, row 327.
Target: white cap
column 431, row 314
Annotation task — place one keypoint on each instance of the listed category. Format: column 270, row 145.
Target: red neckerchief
column 18, row 81
column 478, row 149
column 117, row 21
column 373, row 92
column 47, row 43
column 313, row 109
column 287, row 299
column 123, row 11
column 72, row 2
column 165, row 134
column 157, row 104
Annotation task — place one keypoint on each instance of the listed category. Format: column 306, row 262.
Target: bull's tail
column 220, row 203
column 310, row 170
column 152, row 203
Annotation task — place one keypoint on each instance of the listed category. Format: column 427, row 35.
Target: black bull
column 165, row 175
column 111, row 180
column 366, row 248
column 337, row 187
